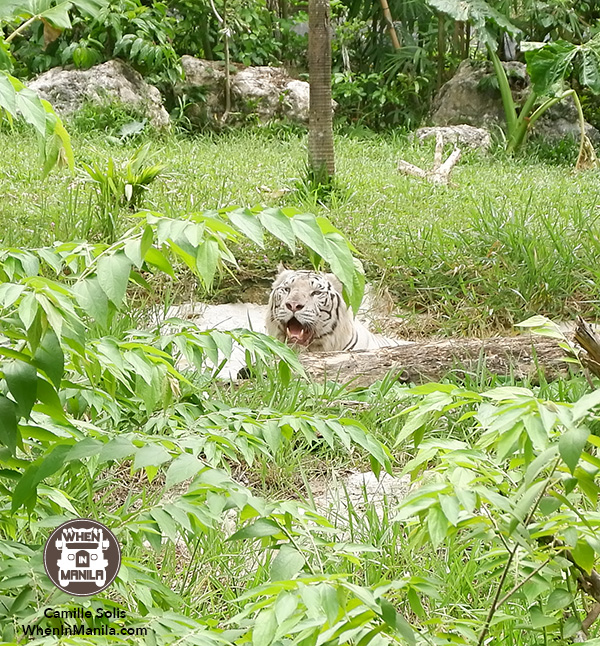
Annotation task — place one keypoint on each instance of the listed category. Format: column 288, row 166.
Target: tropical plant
column 16, row 100
column 520, row 492
column 549, row 66
column 97, row 31
column 260, row 35
column 117, row 187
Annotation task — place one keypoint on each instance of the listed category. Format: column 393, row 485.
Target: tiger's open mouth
column 297, row 333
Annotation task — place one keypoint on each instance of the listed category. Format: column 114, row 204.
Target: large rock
column 113, row 81
column 267, row 92
column 463, row 135
column 204, row 88
column 472, row 97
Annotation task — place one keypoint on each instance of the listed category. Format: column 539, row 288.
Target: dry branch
column 523, row 357
column 440, row 172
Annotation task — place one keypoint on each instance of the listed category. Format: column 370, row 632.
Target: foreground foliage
column 101, row 420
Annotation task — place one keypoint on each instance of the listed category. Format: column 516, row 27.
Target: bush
column 371, row 100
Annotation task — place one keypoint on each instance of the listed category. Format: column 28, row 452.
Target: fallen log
column 584, row 335
column 523, row 357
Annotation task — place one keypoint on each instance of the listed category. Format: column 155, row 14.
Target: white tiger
column 307, row 310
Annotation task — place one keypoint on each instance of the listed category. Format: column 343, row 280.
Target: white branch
column 440, row 172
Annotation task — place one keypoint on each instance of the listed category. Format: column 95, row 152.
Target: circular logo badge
column 82, row 557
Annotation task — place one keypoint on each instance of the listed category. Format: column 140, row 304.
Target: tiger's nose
column 294, row 306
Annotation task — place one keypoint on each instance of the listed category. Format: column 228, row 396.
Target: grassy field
column 508, row 239
column 508, row 470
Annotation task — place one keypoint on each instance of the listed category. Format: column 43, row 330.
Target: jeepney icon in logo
column 82, row 561
column 82, row 557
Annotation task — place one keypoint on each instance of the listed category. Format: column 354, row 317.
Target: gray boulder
column 462, row 135
column 258, row 90
column 296, row 100
column 203, row 89
column 114, row 81
column 267, row 92
column 472, row 97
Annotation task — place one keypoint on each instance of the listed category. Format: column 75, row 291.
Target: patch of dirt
column 356, row 490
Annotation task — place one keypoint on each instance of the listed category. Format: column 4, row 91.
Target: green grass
column 509, row 238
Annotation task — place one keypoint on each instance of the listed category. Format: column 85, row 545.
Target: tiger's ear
column 335, row 283
column 281, row 267
column 282, row 275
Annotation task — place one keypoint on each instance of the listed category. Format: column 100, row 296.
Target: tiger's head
column 306, row 309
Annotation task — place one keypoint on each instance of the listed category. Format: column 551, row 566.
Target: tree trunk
column 521, row 357
column 390, row 23
column 320, row 126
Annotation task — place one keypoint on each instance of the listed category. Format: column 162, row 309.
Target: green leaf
column 248, row 224
column 28, row 309
column 32, row 110
column 92, row 299
column 590, row 68
column 146, row 241
column 437, row 525
column 478, row 13
column 559, row 598
column 51, row 258
column 286, row 605
column 536, row 431
column 8, row 95
column 264, row 629
column 503, row 393
column 450, row 507
column 49, row 402
column 583, row 555
column 571, row 626
column 150, row 455
column 113, row 276
column 158, row 259
column 183, row 467
column 262, row 527
column 85, row 448
column 116, row 449
column 21, row 379
column 133, row 250
column 207, row 260
column 38, row 471
column 288, row 562
column 308, row 231
column 585, row 404
column 539, row 619
column 9, row 432
column 49, row 357
column 548, row 66
column 425, row 497
column 415, row 603
column 342, row 264
column 90, row 7
column 330, row 602
column 58, row 15
column 10, row 293
column 277, row 223
column 571, row 444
